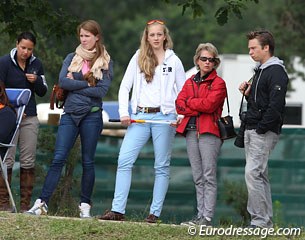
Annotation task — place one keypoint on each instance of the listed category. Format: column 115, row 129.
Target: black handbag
column 226, row 126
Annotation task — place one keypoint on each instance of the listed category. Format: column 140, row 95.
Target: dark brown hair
column 264, row 37
column 3, row 97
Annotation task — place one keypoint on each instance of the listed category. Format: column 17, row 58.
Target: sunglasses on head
column 204, row 59
column 155, row 21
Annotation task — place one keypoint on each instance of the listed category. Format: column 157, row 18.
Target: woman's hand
column 125, row 121
column 31, row 77
column 178, row 121
column 70, row 75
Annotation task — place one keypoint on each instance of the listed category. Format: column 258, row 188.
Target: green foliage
column 36, row 16
column 228, row 7
column 52, row 61
column 222, row 15
column 288, row 19
column 46, row 146
column 235, row 194
column 290, row 28
column 232, row 7
column 198, row 10
column 46, row 139
column 278, row 217
column 51, row 26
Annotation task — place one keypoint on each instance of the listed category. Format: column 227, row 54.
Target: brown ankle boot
column 4, row 197
column 27, row 178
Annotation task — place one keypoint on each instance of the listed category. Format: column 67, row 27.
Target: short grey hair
column 211, row 49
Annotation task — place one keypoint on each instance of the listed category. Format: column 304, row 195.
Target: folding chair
column 19, row 98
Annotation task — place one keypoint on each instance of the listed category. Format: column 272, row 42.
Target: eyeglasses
column 155, row 21
column 204, row 59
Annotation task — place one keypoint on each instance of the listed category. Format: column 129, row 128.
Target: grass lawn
column 22, row 226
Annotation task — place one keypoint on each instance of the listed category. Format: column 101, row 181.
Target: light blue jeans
column 135, row 138
column 258, row 148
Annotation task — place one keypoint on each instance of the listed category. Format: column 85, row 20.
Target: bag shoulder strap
column 52, row 97
column 241, row 103
column 227, row 100
column 242, row 99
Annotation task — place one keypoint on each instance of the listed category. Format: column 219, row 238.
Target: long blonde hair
column 147, row 59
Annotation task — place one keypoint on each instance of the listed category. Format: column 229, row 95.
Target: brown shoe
column 4, row 196
column 114, row 216
column 151, row 219
column 27, row 178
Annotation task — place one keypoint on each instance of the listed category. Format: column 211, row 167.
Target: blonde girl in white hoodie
column 155, row 75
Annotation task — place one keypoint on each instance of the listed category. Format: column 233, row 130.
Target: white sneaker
column 84, row 209
column 39, row 208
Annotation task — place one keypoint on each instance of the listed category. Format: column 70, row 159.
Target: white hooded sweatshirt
column 172, row 81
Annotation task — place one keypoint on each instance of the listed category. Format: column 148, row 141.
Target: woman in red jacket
column 201, row 101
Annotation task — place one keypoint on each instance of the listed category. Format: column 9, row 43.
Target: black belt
column 148, row 109
column 251, row 126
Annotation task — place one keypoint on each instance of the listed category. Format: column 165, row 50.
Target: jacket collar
column 208, row 77
column 14, row 52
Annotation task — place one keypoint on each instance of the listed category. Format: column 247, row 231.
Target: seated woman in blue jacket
column 7, row 119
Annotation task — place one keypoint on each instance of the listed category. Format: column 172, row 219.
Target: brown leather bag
column 58, row 96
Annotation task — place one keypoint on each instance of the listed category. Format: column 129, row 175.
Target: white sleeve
column 126, row 85
column 180, row 75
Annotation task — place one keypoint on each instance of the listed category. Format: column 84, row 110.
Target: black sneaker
column 252, row 226
column 204, row 222
column 194, row 221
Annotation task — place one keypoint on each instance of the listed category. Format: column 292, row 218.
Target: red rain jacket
column 204, row 100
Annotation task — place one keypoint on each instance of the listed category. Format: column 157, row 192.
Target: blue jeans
column 135, row 138
column 89, row 130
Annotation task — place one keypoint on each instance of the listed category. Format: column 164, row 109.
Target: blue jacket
column 82, row 98
column 8, row 125
column 14, row 77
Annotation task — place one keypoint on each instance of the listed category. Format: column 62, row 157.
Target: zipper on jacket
column 259, row 76
column 197, row 117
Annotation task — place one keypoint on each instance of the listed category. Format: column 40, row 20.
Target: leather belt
column 148, row 109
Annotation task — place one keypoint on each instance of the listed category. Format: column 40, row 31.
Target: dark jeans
column 89, row 130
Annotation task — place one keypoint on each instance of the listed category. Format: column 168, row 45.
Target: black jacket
column 14, row 77
column 266, row 102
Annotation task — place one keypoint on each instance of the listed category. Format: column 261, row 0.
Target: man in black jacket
column 264, row 119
